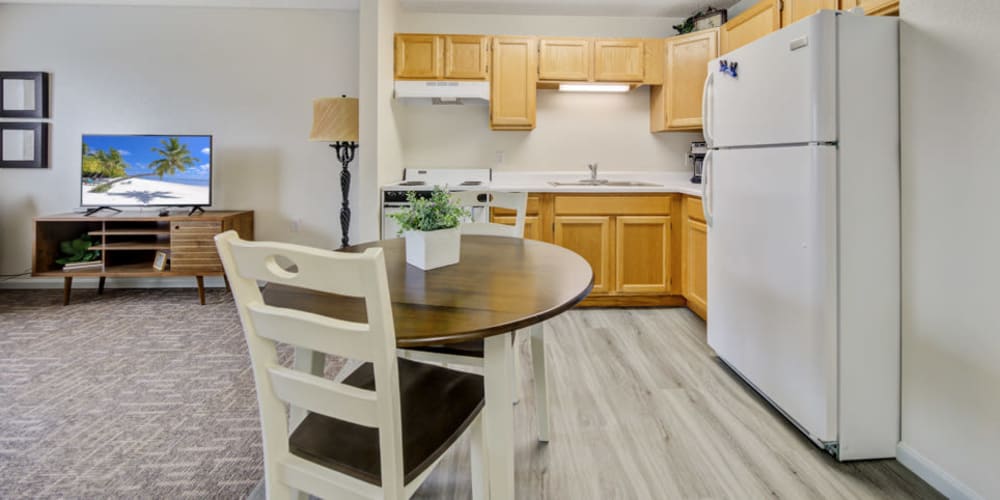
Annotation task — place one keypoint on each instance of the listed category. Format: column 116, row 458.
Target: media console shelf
column 128, row 243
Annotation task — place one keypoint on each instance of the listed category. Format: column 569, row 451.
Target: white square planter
column 433, row 249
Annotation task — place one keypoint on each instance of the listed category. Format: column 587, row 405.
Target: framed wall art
column 24, row 94
column 24, row 145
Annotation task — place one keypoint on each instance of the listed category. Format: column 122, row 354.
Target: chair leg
column 477, row 452
column 515, row 368
column 541, row 381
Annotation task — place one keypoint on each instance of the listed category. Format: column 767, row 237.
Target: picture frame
column 24, row 94
column 712, row 18
column 24, row 145
column 160, row 262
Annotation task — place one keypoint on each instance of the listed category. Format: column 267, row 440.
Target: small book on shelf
column 79, row 266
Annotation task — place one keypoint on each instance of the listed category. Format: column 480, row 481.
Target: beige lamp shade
column 335, row 119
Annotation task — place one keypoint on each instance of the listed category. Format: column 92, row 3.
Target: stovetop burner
column 412, row 183
column 471, row 183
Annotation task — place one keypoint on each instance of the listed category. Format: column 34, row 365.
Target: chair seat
column 471, row 349
column 436, row 406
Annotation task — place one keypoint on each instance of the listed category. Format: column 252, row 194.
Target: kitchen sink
column 604, row 182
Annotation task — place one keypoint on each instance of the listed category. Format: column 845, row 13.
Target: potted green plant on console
column 430, row 226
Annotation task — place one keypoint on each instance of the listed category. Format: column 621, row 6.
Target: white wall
column 572, row 129
column 951, row 244
column 248, row 76
column 381, row 153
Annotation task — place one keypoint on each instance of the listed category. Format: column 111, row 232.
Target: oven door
column 390, row 227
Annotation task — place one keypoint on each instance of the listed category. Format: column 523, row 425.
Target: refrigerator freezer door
column 784, row 91
column 772, row 276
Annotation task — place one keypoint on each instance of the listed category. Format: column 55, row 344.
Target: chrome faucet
column 593, row 171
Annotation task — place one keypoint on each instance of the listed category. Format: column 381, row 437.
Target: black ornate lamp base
column 345, row 153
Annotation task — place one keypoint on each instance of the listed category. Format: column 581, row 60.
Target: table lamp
column 335, row 119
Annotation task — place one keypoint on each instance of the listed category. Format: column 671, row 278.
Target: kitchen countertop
column 538, row 182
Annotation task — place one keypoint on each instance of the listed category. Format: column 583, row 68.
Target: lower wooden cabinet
column 591, row 237
column 642, row 254
column 644, row 249
column 694, row 265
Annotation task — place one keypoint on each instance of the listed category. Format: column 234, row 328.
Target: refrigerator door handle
column 706, row 188
column 705, row 108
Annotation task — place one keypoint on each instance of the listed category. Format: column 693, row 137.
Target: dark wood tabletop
column 499, row 285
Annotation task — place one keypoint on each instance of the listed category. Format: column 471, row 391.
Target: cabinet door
column 532, row 226
column 618, row 60
column 418, row 57
column 687, row 67
column 564, row 59
column 873, row 7
column 642, row 254
column 514, row 81
column 695, row 266
column 466, row 57
column 589, row 236
column 761, row 19
column 793, row 10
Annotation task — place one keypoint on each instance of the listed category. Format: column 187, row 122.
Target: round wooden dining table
column 499, row 285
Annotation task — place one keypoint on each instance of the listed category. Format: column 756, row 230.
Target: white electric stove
column 422, row 181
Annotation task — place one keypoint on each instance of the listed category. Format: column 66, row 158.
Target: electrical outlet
column 296, row 225
column 499, row 157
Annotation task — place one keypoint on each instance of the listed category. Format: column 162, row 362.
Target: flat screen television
column 146, row 171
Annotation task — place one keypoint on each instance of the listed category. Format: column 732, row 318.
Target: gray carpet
column 136, row 393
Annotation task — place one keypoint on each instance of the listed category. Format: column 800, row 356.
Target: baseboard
column 934, row 475
column 178, row 282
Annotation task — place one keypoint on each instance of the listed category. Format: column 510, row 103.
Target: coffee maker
column 696, row 157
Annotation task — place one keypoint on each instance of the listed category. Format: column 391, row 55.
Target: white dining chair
column 470, row 354
column 379, row 432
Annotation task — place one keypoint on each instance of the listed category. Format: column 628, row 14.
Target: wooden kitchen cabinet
column 591, row 237
column 418, row 57
column 642, row 254
column 466, row 57
column 619, row 60
column 793, row 10
column 694, row 265
column 873, row 7
column 513, row 83
column 676, row 105
column 761, row 19
column 565, row 59
column 437, row 57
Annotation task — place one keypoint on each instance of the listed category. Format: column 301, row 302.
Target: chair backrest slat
column 511, row 201
column 315, row 269
column 320, row 395
column 312, row 331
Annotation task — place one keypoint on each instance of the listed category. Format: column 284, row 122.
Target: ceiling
column 284, row 4
column 615, row 8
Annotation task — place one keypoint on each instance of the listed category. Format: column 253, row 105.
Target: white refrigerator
column 801, row 195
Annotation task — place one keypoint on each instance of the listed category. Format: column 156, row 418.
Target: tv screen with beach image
column 146, row 170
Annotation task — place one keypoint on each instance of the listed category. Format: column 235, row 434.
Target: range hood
column 442, row 92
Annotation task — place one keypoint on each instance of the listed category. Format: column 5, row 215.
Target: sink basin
column 604, row 182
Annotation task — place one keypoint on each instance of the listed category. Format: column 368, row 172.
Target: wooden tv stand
column 128, row 243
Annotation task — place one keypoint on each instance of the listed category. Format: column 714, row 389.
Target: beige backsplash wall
column 572, row 129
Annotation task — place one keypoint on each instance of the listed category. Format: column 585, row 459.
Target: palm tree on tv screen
column 174, row 157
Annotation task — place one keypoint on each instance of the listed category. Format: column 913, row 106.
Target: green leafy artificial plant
column 77, row 250
column 439, row 211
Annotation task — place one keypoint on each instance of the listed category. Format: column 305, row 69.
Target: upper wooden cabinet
column 618, row 60
column 565, row 59
column 513, row 83
column 418, row 57
column 436, row 57
column 761, row 19
column 873, row 7
column 466, row 57
column 676, row 105
column 793, row 10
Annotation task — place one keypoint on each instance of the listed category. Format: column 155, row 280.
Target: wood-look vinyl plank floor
column 641, row 408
